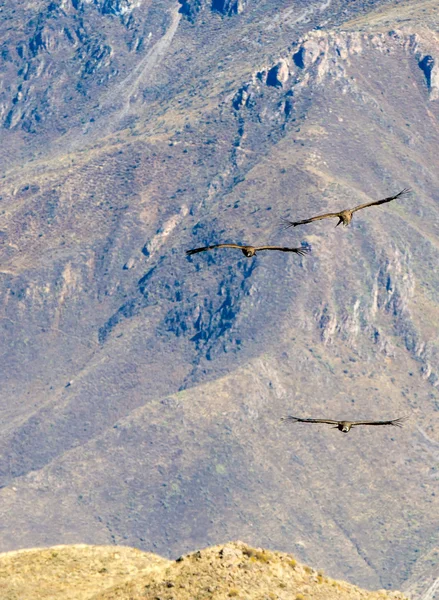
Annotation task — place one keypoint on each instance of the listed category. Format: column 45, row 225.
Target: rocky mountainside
column 233, row 570
column 143, row 390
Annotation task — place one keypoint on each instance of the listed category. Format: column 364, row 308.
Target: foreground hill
column 233, row 570
column 142, row 390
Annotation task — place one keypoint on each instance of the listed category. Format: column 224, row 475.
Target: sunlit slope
column 226, row 571
column 72, row 572
column 421, row 14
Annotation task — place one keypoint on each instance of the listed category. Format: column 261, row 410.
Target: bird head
column 344, row 427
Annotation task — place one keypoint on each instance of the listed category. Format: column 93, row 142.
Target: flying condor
column 345, row 426
column 250, row 251
column 345, row 216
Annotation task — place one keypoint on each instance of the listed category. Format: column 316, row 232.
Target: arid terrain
column 232, row 570
column 142, row 390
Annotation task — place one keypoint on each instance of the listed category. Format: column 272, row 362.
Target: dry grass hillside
column 71, row 572
column 233, row 570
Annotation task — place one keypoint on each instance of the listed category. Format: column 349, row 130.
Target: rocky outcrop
column 241, row 97
column 229, row 7
column 307, row 54
column 392, row 287
column 191, row 8
column 110, row 7
column 279, row 94
column 278, row 75
column 323, row 54
column 426, row 51
column 211, row 325
column 431, row 71
column 38, row 59
column 119, row 7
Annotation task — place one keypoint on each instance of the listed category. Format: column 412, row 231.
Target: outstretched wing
column 395, row 422
column 287, row 223
column 205, row 248
column 302, row 250
column 299, row 420
column 403, row 192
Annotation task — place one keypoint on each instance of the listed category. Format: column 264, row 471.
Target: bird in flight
column 345, row 426
column 251, row 250
column 345, row 216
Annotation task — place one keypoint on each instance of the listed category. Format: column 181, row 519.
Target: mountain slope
column 142, row 390
column 226, row 571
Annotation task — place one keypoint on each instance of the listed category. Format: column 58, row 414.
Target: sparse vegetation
column 110, row 573
column 257, row 555
column 95, row 444
column 262, row 556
